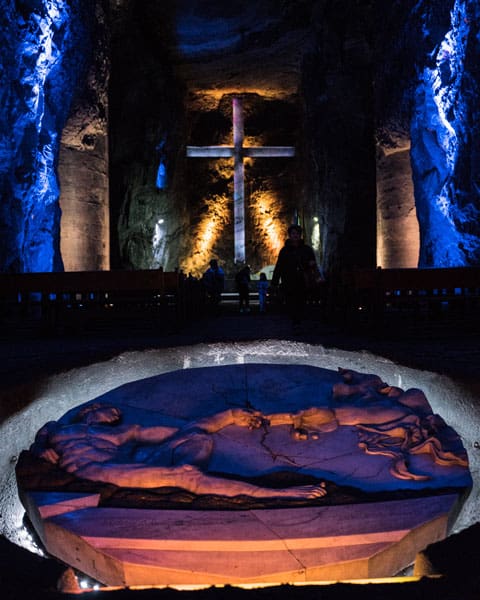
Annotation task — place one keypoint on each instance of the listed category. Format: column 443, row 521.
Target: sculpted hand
column 245, row 418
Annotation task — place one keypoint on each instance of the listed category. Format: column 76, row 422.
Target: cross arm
column 210, row 151
column 268, row 151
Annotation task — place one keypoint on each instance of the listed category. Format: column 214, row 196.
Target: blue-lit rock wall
column 45, row 46
column 445, row 132
column 46, row 52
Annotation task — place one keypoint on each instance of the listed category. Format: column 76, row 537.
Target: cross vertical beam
column 238, row 152
column 238, row 182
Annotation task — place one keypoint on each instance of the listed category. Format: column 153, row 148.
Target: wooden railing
column 419, row 292
column 50, row 296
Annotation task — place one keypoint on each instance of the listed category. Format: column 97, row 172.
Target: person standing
column 242, row 280
column 214, row 283
column 262, row 288
column 294, row 260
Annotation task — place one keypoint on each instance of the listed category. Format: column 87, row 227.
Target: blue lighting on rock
column 446, row 98
column 46, row 51
column 161, row 181
column 207, row 28
column 43, row 55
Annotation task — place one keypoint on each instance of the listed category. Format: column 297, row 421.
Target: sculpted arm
column 296, row 419
column 282, row 418
column 308, row 422
column 232, row 416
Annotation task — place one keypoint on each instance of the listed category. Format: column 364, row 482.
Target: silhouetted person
column 294, row 259
column 242, row 280
column 214, row 282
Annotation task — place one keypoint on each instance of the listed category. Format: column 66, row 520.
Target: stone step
column 127, row 547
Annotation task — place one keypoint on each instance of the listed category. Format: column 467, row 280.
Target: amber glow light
column 211, row 227
column 269, row 226
column 260, row 585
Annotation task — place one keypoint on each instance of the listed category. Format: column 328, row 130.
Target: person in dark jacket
column 242, row 280
column 294, row 260
column 214, row 283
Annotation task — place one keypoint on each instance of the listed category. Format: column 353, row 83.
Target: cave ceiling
column 225, row 48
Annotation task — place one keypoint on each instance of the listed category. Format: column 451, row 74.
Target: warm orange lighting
column 269, row 226
column 253, row 586
column 264, row 210
column 208, row 231
column 398, row 237
column 209, row 98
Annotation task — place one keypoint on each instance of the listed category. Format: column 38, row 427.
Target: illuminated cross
column 239, row 152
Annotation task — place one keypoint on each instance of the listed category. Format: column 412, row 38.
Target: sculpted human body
column 99, row 449
column 389, row 421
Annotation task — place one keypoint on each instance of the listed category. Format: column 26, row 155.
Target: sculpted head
column 361, row 384
column 99, row 413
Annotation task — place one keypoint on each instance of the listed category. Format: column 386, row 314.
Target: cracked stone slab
column 377, row 537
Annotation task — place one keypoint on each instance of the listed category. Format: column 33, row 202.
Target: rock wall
column 271, row 193
column 446, row 132
column 126, row 85
column 146, row 124
column 397, row 224
column 83, row 164
column 338, row 95
column 427, row 88
column 284, row 60
column 44, row 55
column 191, row 77
column 394, row 76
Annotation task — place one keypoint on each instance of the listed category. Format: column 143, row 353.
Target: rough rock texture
column 394, row 72
column 446, row 132
column 44, row 54
column 427, row 89
column 272, row 54
column 271, row 194
column 397, row 224
column 329, row 77
column 146, row 112
column 257, row 52
column 83, row 165
column 340, row 170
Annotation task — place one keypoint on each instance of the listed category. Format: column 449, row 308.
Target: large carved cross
column 238, row 151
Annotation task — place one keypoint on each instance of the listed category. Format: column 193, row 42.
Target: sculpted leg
column 190, row 478
column 202, row 483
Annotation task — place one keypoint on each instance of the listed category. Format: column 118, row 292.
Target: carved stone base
column 128, row 547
